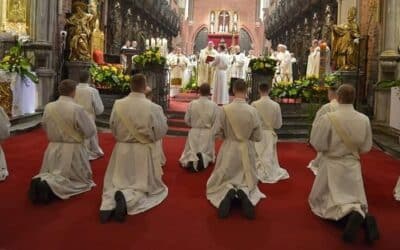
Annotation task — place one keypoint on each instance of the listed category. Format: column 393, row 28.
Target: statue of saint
column 345, row 40
column 80, row 30
column 97, row 42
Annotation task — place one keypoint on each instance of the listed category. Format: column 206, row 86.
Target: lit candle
column 147, row 43
column 153, row 42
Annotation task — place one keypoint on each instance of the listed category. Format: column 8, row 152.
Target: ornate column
column 43, row 23
column 390, row 56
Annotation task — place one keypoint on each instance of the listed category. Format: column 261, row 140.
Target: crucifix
column 225, row 19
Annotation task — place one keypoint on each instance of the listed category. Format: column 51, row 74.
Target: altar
column 229, row 39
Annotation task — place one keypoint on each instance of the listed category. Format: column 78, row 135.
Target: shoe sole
column 352, row 227
column 120, row 209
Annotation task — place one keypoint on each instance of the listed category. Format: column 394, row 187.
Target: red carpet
column 186, row 220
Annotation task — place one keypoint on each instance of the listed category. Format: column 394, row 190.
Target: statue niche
column 115, row 24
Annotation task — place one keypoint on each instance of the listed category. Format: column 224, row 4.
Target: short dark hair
column 138, row 83
column 346, row 94
column 239, row 86
column 264, row 87
column 84, row 76
column 333, row 87
column 204, row 89
column 67, row 87
column 222, row 47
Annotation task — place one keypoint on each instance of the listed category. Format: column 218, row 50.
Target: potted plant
column 110, row 79
column 151, row 59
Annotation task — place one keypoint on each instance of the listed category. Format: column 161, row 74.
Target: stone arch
column 200, row 39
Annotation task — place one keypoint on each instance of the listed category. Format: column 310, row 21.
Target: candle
column 153, row 42
column 147, row 43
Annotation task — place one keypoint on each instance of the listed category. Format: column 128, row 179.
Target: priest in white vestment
column 338, row 190
column 4, row 134
column 199, row 150
column 326, row 108
column 220, row 92
column 133, row 180
column 237, row 71
column 235, row 175
column 178, row 63
column 267, row 163
column 285, row 64
column 314, row 60
column 397, row 191
column 204, row 70
column 159, row 154
column 89, row 98
column 65, row 169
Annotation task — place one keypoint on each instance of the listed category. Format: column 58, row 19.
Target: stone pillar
column 389, row 57
column 43, row 24
column 343, row 9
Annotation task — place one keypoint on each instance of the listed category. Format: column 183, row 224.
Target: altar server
column 199, row 150
column 132, row 183
column 238, row 61
column 4, row 134
column 338, row 190
column 65, row 169
column 220, row 91
column 89, row 98
column 268, row 168
column 160, row 156
column 235, row 176
column 329, row 107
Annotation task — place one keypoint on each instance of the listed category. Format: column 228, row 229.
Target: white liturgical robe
column 313, row 63
column 200, row 116
column 132, row 169
column 397, row 191
column 220, row 92
column 66, row 166
column 329, row 107
column 237, row 68
column 89, row 99
column 338, row 188
column 205, row 71
column 4, row 134
column 285, row 66
column 239, row 126
column 267, row 164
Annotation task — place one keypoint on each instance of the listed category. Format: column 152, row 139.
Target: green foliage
column 110, row 78
column 388, row 84
column 150, row 59
column 192, row 84
column 263, row 65
column 15, row 61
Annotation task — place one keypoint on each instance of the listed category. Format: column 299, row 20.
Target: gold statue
column 97, row 42
column 81, row 27
column 16, row 11
column 345, row 41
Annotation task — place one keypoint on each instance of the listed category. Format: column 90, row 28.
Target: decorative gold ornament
column 16, row 11
column 81, row 26
column 97, row 42
column 345, row 42
column 6, row 97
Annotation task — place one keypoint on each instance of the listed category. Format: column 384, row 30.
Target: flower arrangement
column 110, row 78
column 192, row 84
column 263, row 65
column 15, row 61
column 150, row 59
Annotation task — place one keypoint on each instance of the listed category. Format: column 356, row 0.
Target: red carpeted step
column 178, row 131
column 177, row 123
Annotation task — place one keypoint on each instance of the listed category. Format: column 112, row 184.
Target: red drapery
column 216, row 38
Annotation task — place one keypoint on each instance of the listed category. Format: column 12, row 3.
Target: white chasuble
column 329, row 107
column 338, row 188
column 89, row 98
column 66, row 166
column 313, row 63
column 200, row 116
column 239, row 126
column 132, row 168
column 268, row 168
column 220, row 91
column 4, row 134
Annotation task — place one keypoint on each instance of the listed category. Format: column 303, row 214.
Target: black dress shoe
column 44, row 192
column 353, row 225
column 105, row 215
column 190, row 167
column 371, row 229
column 33, row 192
column 121, row 208
column 200, row 164
column 247, row 206
column 225, row 205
